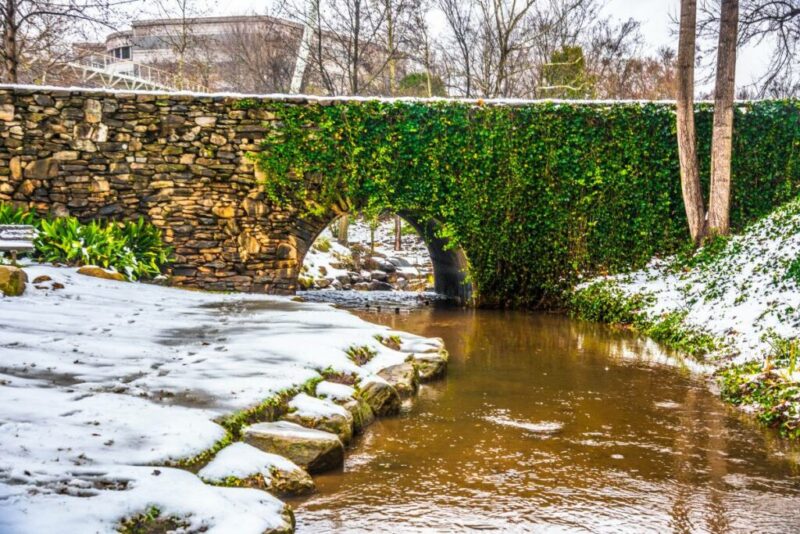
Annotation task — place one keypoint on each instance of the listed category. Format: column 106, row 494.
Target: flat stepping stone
column 315, row 450
column 321, row 414
column 243, row 465
column 403, row 377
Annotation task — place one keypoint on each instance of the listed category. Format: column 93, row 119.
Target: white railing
column 114, row 73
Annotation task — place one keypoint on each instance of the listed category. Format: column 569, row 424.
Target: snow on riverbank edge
column 103, row 383
column 734, row 305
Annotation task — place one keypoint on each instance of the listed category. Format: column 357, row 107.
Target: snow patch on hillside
column 740, row 295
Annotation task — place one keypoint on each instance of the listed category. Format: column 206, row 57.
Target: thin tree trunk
column 344, row 224
column 390, row 47
column 10, row 41
column 398, row 233
column 687, row 143
column 722, row 137
column 312, row 13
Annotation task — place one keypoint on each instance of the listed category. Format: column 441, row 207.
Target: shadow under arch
column 450, row 266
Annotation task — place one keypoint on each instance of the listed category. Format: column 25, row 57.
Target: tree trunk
column 398, row 234
column 10, row 41
column 312, row 13
column 390, row 47
column 687, row 143
column 341, row 235
column 722, row 136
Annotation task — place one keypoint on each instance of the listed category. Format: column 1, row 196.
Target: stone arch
column 450, row 266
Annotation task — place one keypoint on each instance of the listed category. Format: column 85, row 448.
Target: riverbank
column 130, row 404
column 733, row 306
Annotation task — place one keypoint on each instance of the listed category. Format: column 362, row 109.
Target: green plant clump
column 604, row 302
column 360, row 355
column 536, row 195
column 134, row 248
column 151, row 522
column 770, row 387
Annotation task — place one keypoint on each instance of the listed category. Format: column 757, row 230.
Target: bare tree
column 350, row 49
column 179, row 33
column 421, row 44
column 34, row 29
column 310, row 25
column 504, row 26
column 460, row 18
column 772, row 24
column 259, row 55
column 722, row 137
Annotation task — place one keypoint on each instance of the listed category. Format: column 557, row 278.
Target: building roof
column 236, row 19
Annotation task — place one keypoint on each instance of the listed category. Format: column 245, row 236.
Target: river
column 545, row 424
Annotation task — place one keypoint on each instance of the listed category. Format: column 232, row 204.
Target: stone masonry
column 180, row 161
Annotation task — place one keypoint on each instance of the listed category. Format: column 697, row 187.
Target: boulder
column 429, row 366
column 12, row 281
column 251, row 467
column 343, row 279
column 376, row 285
column 403, row 377
column 347, row 397
column 386, row 266
column 321, row 414
column 378, row 275
column 399, row 262
column 315, row 450
column 362, row 413
column 322, row 283
column 380, row 396
column 361, row 286
column 99, row 272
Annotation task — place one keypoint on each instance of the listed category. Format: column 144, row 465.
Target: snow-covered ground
column 103, row 384
column 741, row 295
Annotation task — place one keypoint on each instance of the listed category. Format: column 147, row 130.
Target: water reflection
column 551, row 425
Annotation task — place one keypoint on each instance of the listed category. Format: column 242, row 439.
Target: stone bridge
column 180, row 161
column 536, row 193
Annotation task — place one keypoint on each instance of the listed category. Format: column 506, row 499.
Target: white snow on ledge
column 301, row 98
column 102, row 381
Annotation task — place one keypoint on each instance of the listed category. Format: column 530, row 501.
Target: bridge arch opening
column 446, row 272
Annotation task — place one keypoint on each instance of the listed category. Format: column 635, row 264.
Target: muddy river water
column 545, row 424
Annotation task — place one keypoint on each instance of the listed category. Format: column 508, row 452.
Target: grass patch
column 348, row 379
column 393, row 342
column 360, row 354
column 604, row 302
column 768, row 387
column 793, row 272
column 152, row 522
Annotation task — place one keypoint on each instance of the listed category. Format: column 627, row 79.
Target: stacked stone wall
column 180, row 161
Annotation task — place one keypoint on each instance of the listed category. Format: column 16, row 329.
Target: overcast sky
column 655, row 16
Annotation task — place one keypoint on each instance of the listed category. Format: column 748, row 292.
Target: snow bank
column 739, row 295
column 102, row 378
column 241, row 460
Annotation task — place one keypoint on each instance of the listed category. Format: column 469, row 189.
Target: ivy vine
column 536, row 195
